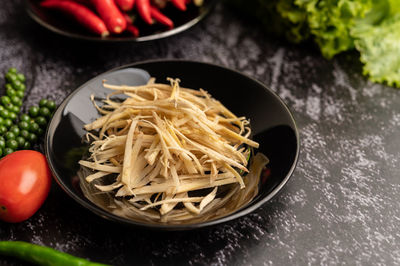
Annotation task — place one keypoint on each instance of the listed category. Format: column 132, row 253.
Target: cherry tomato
column 25, row 181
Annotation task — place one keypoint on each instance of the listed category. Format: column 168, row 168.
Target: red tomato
column 25, row 181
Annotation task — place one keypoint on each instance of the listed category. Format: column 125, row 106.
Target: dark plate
column 60, row 24
column 272, row 124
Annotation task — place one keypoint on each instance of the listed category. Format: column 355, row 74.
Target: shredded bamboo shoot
column 169, row 154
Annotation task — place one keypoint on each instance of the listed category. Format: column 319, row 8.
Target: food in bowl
column 131, row 18
column 168, row 154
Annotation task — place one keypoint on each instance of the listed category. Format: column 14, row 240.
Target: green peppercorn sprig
column 24, row 131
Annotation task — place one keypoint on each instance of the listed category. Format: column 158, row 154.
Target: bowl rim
column 157, row 36
column 172, row 227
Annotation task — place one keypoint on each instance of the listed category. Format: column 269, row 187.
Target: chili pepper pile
column 21, row 132
column 105, row 17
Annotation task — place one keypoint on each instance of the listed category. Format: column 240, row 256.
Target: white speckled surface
column 341, row 205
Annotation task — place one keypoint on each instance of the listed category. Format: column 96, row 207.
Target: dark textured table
column 341, row 205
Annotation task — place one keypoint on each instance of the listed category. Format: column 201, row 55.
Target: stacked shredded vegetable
column 174, row 154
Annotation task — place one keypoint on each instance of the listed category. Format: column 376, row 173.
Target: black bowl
column 60, row 24
column 272, row 124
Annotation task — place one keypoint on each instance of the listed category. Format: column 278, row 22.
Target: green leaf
column 330, row 22
column 295, row 19
column 379, row 46
column 370, row 26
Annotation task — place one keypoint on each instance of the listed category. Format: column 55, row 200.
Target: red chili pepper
column 80, row 13
column 266, row 172
column 111, row 15
column 143, row 8
column 125, row 5
column 133, row 30
column 180, row 4
column 128, row 19
column 160, row 17
column 130, row 27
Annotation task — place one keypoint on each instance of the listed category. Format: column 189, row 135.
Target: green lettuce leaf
column 296, row 29
column 370, row 26
column 330, row 22
column 378, row 41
